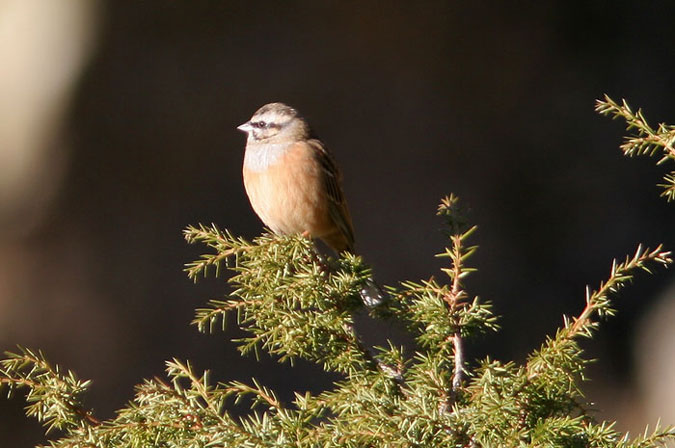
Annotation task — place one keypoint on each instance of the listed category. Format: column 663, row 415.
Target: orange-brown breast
column 289, row 195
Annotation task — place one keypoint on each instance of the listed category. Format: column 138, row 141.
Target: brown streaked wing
column 337, row 209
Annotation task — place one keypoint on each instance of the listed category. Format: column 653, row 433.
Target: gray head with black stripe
column 275, row 123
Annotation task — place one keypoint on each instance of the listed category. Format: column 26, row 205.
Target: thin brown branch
column 200, row 387
column 259, row 392
column 663, row 137
column 77, row 410
column 620, row 273
column 195, row 268
column 454, row 300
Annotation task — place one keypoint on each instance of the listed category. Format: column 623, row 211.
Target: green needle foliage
column 644, row 140
column 294, row 303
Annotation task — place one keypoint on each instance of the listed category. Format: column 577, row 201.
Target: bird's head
column 275, row 123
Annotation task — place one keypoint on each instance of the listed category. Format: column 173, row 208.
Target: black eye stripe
column 261, row 124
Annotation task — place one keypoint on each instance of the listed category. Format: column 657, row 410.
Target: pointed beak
column 246, row 127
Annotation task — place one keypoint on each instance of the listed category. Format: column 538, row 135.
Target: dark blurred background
column 117, row 129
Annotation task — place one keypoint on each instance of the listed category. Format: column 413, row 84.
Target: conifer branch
column 598, row 302
column 658, row 437
column 292, row 302
column 222, row 241
column 644, row 140
column 545, row 363
column 454, row 300
column 456, row 296
column 177, row 370
column 54, row 397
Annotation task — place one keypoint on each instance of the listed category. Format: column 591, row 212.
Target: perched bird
column 294, row 184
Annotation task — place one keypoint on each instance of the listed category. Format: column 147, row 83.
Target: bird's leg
column 316, row 256
column 321, row 261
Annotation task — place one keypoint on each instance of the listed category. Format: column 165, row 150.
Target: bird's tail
column 371, row 294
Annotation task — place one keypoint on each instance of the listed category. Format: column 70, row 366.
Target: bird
column 294, row 184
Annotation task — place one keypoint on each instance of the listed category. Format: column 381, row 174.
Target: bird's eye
column 260, row 124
